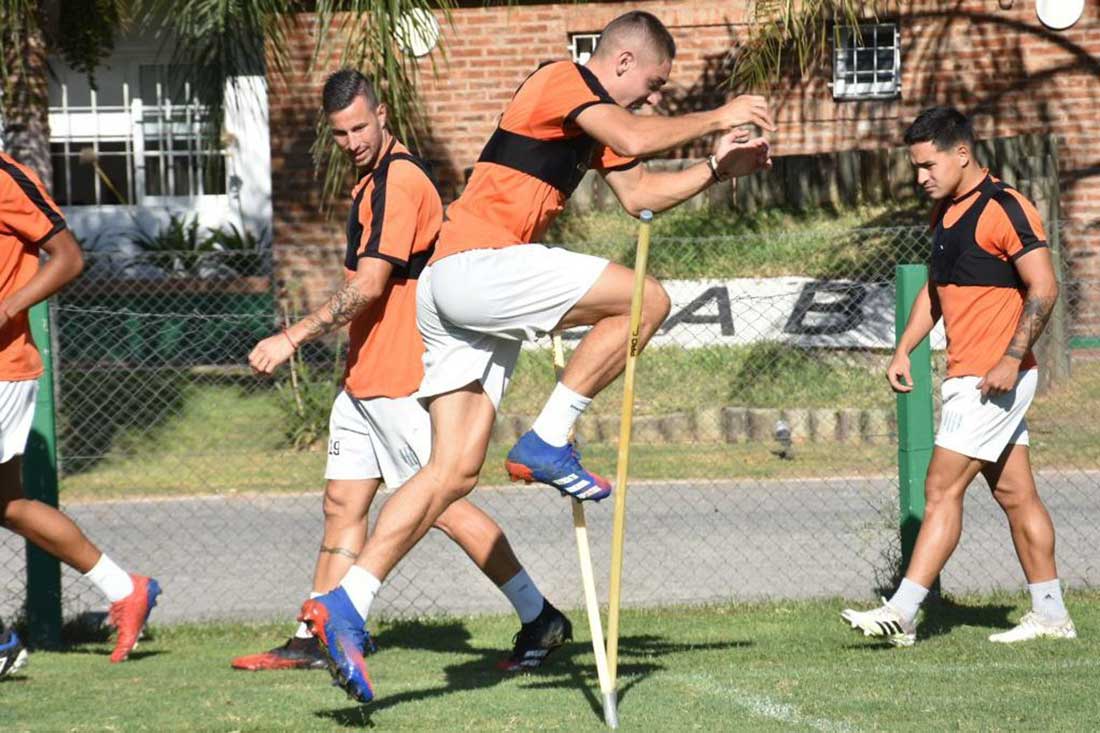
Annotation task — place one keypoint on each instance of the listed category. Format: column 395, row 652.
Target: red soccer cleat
column 130, row 614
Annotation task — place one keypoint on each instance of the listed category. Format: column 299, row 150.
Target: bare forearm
column 344, row 305
column 649, row 134
column 664, row 189
column 922, row 318
column 51, row 277
column 1038, row 305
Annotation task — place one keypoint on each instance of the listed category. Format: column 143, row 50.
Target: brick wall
column 1002, row 66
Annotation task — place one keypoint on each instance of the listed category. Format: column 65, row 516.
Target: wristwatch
column 712, row 163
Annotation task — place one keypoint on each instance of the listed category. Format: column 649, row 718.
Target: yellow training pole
column 618, row 527
column 588, row 579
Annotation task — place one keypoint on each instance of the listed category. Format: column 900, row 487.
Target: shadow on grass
column 637, row 654
column 942, row 617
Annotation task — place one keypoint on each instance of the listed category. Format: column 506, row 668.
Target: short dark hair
column 945, row 127
column 343, row 86
column 644, row 24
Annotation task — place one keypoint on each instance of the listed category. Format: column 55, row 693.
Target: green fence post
column 914, row 416
column 40, row 482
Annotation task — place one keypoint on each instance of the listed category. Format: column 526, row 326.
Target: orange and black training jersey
column 395, row 215
column 978, row 236
column 532, row 163
column 28, row 217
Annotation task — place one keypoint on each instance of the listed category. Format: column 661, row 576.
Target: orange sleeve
column 25, row 207
column 606, row 159
column 551, row 98
column 1010, row 226
column 396, row 207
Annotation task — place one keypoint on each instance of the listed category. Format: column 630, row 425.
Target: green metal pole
column 914, row 416
column 40, row 482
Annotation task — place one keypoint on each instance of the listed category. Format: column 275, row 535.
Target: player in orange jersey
column 489, row 287
column 993, row 284
column 30, row 222
column 378, row 431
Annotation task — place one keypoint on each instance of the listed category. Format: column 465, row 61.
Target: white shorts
column 476, row 308
column 17, row 401
column 377, row 438
column 981, row 428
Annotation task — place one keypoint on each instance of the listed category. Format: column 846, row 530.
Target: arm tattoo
column 1037, row 310
column 343, row 306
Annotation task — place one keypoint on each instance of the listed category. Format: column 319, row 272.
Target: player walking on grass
column 993, row 283
column 377, row 430
column 31, row 222
column 488, row 288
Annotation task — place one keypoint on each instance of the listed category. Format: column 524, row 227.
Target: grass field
column 770, row 667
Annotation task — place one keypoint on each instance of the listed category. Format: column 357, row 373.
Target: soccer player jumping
column 993, row 283
column 377, row 431
column 488, row 288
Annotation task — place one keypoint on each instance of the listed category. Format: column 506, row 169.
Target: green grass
column 721, row 242
column 769, row 667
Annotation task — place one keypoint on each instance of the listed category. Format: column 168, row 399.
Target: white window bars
column 867, row 64
column 581, row 46
column 154, row 145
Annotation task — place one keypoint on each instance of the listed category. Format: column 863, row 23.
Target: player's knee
column 341, row 504
column 657, row 302
column 452, row 480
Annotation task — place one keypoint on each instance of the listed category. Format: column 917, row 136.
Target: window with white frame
column 867, row 63
column 581, row 46
column 132, row 143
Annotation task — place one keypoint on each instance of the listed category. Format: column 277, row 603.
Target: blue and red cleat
column 334, row 621
column 130, row 614
column 533, row 459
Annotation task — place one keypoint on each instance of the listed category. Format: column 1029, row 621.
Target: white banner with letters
column 805, row 311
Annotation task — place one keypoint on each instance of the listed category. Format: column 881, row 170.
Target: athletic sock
column 303, row 630
column 907, row 599
column 559, row 415
column 113, row 581
column 361, row 588
column 1046, row 600
column 524, row 596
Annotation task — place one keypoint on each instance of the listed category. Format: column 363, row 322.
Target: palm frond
column 787, row 37
column 372, row 34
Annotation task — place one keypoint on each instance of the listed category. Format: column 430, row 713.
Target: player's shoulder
column 406, row 169
column 1007, row 199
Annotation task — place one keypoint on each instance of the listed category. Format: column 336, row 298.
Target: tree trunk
column 24, row 107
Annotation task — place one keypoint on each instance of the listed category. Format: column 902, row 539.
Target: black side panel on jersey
column 958, row 259
column 559, row 163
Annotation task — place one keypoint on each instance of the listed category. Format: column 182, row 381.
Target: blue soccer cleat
column 334, row 621
column 13, row 655
column 533, row 459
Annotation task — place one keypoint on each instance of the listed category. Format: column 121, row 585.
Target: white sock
column 113, row 581
column 303, row 630
column 559, row 415
column 907, row 599
column 361, row 587
column 1046, row 600
column 524, row 596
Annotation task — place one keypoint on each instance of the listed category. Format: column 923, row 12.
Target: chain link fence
column 763, row 465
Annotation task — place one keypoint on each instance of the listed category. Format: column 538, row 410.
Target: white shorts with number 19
column 387, row 438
